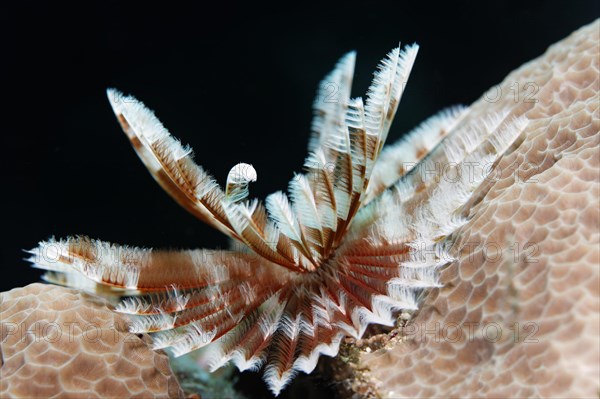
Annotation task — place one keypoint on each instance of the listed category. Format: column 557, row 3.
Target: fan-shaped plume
column 355, row 242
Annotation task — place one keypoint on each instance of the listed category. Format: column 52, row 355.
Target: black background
column 234, row 82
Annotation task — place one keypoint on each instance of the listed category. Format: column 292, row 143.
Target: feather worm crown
column 357, row 238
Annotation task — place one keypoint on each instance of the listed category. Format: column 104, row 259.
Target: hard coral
column 57, row 343
column 518, row 313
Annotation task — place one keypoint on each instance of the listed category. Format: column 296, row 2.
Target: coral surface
column 518, row 313
column 56, row 342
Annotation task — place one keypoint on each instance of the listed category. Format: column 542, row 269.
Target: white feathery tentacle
column 399, row 158
column 305, row 207
column 281, row 211
column 238, row 178
column 386, row 91
column 330, row 103
column 168, row 161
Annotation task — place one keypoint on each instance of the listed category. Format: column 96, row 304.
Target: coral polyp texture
column 362, row 238
column 58, row 343
column 518, row 312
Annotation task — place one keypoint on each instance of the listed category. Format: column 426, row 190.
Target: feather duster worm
column 349, row 245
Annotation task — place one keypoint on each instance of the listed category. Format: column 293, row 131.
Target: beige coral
column 518, row 314
column 56, row 343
